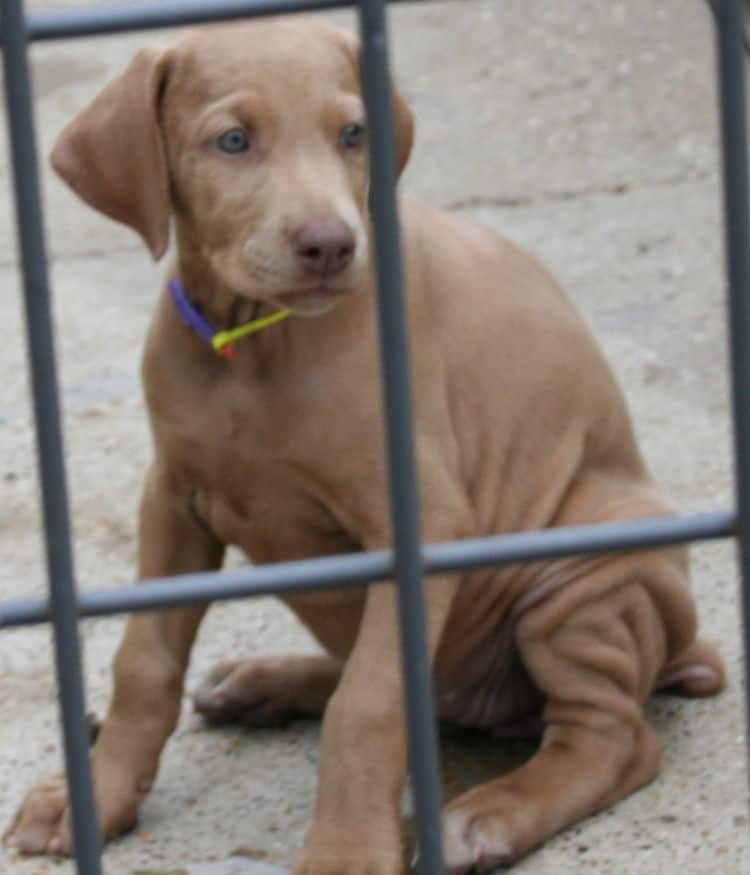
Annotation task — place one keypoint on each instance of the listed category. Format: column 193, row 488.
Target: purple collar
column 220, row 341
column 190, row 315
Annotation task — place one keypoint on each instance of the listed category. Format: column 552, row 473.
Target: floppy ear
column 112, row 153
column 402, row 114
column 404, row 120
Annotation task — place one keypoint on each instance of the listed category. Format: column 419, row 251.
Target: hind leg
column 268, row 691
column 595, row 664
column 697, row 671
column 575, row 773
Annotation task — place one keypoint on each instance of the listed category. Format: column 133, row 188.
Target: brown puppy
column 250, row 138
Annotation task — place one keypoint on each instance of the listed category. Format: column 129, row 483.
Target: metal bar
column 395, row 369
column 623, row 535
column 714, row 6
column 116, row 18
column 731, row 62
column 356, row 569
column 51, row 464
column 165, row 13
column 185, row 589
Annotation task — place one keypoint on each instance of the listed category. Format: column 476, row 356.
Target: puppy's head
column 253, row 137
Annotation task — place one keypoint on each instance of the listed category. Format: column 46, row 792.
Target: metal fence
column 409, row 560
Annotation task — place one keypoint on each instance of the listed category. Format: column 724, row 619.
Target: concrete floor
column 585, row 131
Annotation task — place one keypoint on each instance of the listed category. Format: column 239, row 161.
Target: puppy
column 251, row 140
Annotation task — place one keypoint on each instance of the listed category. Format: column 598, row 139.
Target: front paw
column 347, row 863
column 42, row 823
column 342, row 853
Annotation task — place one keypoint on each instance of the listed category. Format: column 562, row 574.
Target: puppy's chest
column 252, row 477
column 262, row 514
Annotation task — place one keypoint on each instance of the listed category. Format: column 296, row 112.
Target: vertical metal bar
column 49, row 435
column 394, row 360
column 731, row 62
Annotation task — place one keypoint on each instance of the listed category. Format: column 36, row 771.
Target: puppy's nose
column 324, row 248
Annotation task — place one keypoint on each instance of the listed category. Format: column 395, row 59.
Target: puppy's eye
column 353, row 136
column 234, row 142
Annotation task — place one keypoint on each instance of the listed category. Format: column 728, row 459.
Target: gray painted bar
column 731, row 59
column 50, row 451
column 357, row 569
column 127, row 17
column 409, row 560
column 404, row 490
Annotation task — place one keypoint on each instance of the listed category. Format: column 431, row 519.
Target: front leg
column 149, row 669
column 356, row 824
column 356, row 827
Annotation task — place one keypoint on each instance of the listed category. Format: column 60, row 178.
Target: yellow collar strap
column 220, row 341
column 223, row 339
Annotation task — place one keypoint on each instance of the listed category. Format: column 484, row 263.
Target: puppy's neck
column 221, row 307
column 286, row 340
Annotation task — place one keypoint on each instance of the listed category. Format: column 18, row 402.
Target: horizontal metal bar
column 357, row 569
column 545, row 544
column 122, row 17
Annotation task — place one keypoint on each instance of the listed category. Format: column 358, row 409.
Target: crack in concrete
column 82, row 254
column 545, row 197
column 467, row 203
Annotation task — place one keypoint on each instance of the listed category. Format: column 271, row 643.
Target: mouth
column 315, row 297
